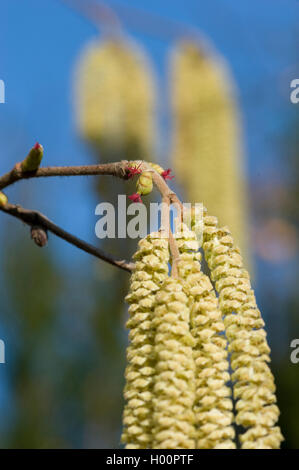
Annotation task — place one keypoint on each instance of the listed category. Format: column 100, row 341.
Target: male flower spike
column 207, row 151
column 213, row 405
column 115, row 100
column 151, row 269
column 253, row 382
column 174, row 382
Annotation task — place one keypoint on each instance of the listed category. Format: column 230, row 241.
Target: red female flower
column 135, row 198
column 166, row 174
column 133, row 171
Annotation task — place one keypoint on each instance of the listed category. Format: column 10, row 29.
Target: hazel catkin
column 213, row 405
column 207, row 153
column 115, row 100
column 174, row 380
column 253, row 382
column 151, row 268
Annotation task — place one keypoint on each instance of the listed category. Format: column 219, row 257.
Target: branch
column 16, row 174
column 35, row 218
column 118, row 169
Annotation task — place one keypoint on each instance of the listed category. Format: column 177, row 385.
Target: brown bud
column 39, row 236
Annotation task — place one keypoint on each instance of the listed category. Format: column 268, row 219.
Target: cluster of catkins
column 198, row 355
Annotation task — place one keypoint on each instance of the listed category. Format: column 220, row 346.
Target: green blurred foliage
column 286, row 306
column 67, row 351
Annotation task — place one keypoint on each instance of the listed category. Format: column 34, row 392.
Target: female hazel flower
column 135, row 198
column 133, row 169
column 166, row 174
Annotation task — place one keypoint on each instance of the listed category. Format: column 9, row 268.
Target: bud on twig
column 33, row 159
column 39, row 236
column 156, row 167
column 3, row 199
column 145, row 183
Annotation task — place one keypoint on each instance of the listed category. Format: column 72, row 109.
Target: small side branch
column 168, row 197
column 35, row 218
column 174, row 251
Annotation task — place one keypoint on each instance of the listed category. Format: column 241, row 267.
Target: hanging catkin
column 213, row 405
column 115, row 110
column 115, row 100
column 254, row 387
column 174, row 382
column 206, row 139
column 151, row 269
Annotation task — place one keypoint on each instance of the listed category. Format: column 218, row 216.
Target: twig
column 35, row 218
column 16, row 174
column 168, row 196
column 175, row 254
column 136, row 18
column 100, row 14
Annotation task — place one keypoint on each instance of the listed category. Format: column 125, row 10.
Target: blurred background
column 204, row 89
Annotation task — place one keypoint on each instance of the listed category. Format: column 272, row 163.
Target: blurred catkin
column 115, row 111
column 213, row 405
column 115, row 100
column 253, row 382
column 151, row 269
column 207, row 154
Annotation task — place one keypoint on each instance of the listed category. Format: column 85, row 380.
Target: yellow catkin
column 151, row 268
column 115, row 100
column 174, row 393
column 213, row 405
column 206, row 138
column 254, row 387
